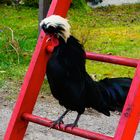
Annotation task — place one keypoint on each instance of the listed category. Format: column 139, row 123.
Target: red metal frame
column 33, row 79
column 22, row 113
column 131, row 112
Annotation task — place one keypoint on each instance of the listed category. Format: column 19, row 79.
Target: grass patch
column 113, row 29
column 18, row 36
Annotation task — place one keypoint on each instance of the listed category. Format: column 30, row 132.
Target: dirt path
column 48, row 107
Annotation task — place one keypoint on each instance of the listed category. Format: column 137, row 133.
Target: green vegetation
column 18, row 36
column 110, row 30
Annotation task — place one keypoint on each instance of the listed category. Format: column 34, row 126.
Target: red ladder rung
column 75, row 131
column 113, row 59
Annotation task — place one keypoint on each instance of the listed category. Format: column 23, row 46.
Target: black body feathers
column 74, row 88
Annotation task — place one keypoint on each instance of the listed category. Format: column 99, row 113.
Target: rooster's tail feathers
column 115, row 92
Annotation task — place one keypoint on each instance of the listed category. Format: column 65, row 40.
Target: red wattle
column 52, row 43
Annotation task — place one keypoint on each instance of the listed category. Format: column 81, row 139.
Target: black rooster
column 69, row 81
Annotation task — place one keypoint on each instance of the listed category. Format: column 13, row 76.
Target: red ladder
column 22, row 113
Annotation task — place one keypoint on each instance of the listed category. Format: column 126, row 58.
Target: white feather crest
column 55, row 20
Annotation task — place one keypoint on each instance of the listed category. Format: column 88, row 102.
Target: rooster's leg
column 60, row 119
column 75, row 124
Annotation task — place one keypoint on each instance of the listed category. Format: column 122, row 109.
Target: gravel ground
column 114, row 2
column 48, row 107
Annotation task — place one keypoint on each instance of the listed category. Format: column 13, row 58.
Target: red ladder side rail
column 59, row 7
column 75, row 131
column 131, row 112
column 33, row 79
